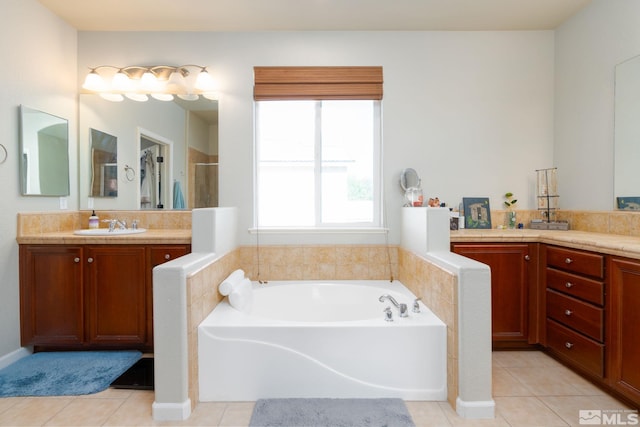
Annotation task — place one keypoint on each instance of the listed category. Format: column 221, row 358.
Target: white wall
column 588, row 47
column 38, row 52
column 472, row 112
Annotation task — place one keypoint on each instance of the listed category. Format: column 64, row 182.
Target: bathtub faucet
column 402, row 308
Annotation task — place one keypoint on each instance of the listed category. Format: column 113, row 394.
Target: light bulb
column 176, row 82
column 188, row 96
column 94, row 82
column 162, row 96
column 140, row 97
column 204, row 81
column 213, row 96
column 113, row 97
column 121, row 82
column 149, row 82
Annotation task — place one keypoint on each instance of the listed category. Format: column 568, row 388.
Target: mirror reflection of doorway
column 155, row 171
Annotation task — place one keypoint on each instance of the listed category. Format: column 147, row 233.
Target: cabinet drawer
column 576, row 261
column 578, row 315
column 577, row 286
column 584, row 352
column 162, row 254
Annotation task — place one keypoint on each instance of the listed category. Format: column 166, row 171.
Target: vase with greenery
column 510, row 203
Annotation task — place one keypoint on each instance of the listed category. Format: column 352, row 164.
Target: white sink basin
column 106, row 232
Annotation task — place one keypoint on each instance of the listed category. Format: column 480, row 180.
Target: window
column 318, row 163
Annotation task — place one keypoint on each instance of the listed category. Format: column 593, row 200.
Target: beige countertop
column 612, row 244
column 151, row 236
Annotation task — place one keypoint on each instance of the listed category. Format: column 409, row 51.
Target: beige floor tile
column 237, row 414
column 206, row 414
column 135, row 411
column 427, row 414
column 523, row 359
column 546, row 382
column 568, row 407
column 505, row 384
column 111, row 393
column 33, row 411
column 7, row 402
column 458, row 421
column 527, row 411
column 85, row 412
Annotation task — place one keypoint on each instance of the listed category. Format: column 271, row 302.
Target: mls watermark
column 609, row 417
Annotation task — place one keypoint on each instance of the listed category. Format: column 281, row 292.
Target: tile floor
column 529, row 388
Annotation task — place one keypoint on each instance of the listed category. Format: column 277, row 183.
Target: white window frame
column 376, row 225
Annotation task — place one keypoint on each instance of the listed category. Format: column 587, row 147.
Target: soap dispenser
column 94, row 221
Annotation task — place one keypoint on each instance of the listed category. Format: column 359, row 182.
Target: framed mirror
column 409, row 178
column 104, row 164
column 44, row 154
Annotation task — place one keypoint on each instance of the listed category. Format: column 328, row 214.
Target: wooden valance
column 317, row 83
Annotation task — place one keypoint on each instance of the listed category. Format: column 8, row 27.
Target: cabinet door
column 51, row 311
column 116, row 295
column 623, row 319
column 509, row 265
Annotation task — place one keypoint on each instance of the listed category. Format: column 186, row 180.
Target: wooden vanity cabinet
column 575, row 296
column 513, row 291
column 90, row 296
column 51, row 295
column 623, row 327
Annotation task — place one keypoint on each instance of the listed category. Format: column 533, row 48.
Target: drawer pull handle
column 568, row 285
column 89, row 260
column 167, row 256
column 568, row 344
column 76, row 259
column 568, row 312
column 568, row 260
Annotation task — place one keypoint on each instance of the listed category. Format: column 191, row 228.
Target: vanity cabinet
column 623, row 327
column 90, row 296
column 513, row 297
column 575, row 297
column 51, row 295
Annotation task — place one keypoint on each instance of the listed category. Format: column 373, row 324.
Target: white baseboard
column 14, row 356
column 171, row 411
column 476, row 409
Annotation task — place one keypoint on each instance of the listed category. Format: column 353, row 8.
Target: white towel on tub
column 241, row 298
column 231, row 282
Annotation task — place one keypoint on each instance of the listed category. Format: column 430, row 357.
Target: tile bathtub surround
column 323, row 262
column 439, row 291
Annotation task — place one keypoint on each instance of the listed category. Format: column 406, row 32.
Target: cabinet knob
column 89, row 260
column 568, row 260
column 568, row 285
column 568, row 312
column 76, row 259
column 527, row 257
column 167, row 256
column 568, row 344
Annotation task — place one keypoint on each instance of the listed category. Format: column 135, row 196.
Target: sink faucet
column 402, row 308
column 122, row 225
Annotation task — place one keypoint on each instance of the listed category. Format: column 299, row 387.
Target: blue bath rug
column 66, row 373
column 330, row 412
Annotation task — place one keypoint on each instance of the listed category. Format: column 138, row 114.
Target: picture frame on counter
column 477, row 212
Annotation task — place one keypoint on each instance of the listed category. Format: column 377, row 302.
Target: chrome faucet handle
column 403, row 310
column 134, row 224
column 388, row 314
column 112, row 223
column 416, row 305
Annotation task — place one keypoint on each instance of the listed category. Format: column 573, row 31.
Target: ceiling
column 314, row 15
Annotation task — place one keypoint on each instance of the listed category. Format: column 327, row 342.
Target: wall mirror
column 44, row 154
column 104, row 164
column 166, row 153
column 627, row 135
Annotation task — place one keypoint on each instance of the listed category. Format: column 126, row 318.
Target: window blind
column 317, row 83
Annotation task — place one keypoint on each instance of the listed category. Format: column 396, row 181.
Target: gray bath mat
column 330, row 413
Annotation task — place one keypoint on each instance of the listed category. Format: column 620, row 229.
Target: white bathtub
column 322, row 339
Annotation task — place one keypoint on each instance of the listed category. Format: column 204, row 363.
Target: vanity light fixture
column 161, row 82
